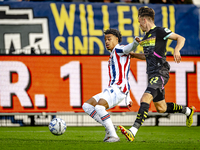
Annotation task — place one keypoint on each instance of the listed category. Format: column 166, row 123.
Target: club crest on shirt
column 167, row 30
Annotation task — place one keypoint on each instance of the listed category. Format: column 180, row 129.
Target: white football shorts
column 112, row 95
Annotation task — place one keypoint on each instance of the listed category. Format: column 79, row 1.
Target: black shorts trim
column 158, row 95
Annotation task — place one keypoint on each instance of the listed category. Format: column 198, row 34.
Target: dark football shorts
column 156, row 87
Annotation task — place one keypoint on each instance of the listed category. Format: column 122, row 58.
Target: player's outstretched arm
column 137, row 55
column 131, row 46
column 179, row 45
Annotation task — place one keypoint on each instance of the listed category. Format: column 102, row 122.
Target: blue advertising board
column 47, row 28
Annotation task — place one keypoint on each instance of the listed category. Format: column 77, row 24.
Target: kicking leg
column 90, row 110
column 88, row 107
column 105, row 117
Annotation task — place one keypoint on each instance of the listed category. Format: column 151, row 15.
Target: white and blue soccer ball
column 57, row 126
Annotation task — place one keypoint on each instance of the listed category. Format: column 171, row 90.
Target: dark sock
column 174, row 108
column 142, row 115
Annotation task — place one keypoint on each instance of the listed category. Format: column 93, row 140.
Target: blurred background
column 53, row 59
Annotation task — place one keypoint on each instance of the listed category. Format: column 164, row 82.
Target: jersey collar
column 153, row 27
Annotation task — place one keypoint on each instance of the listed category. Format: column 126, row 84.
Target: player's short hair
column 146, row 12
column 114, row 32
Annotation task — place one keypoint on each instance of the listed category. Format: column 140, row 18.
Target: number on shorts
column 153, row 80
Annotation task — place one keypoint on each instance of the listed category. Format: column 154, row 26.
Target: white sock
column 105, row 117
column 188, row 111
column 133, row 130
column 89, row 109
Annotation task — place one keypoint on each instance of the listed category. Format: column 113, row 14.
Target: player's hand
column 177, row 57
column 130, row 104
column 132, row 54
column 137, row 39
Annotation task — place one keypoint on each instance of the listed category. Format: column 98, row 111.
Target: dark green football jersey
column 154, row 46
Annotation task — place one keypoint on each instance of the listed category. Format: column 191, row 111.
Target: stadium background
column 53, row 59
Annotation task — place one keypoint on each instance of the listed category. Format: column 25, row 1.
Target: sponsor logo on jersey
column 148, row 42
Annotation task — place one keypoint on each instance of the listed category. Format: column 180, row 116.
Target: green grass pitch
column 91, row 138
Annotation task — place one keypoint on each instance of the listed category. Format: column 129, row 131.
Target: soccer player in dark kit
column 154, row 47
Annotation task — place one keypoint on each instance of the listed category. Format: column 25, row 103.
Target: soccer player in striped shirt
column 118, row 87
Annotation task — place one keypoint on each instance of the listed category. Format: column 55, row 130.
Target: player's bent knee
column 86, row 106
column 99, row 108
column 161, row 106
column 146, row 98
column 161, row 110
column 91, row 101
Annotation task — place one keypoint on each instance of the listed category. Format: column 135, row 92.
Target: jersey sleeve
column 130, row 47
column 164, row 33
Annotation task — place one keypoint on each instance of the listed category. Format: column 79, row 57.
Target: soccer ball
column 57, row 126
